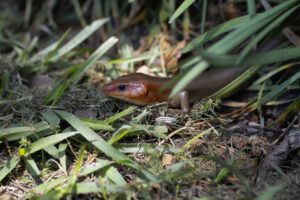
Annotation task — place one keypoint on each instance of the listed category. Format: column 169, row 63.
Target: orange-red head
column 136, row 88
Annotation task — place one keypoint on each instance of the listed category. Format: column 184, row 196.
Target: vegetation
column 61, row 138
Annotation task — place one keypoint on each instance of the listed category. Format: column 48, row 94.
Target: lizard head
column 131, row 88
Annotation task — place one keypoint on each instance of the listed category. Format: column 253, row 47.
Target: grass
column 123, row 153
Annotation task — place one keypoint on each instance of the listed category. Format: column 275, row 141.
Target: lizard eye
column 121, row 87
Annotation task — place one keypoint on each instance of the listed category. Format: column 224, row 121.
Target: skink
column 142, row 89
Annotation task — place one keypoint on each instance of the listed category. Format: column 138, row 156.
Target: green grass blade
column 51, row 95
column 99, row 143
column 114, row 175
column 41, row 55
column 136, row 58
column 93, row 187
column 31, row 166
column 272, row 73
column 278, row 90
column 15, row 130
column 188, row 77
column 251, row 8
column 27, row 13
column 263, row 33
column 270, row 192
column 45, row 187
column 50, row 117
column 37, row 129
column 78, row 11
column 62, row 155
column 231, row 87
column 92, row 137
column 9, row 166
column 231, row 168
column 180, row 10
column 155, row 130
column 46, row 141
column 97, row 124
column 80, row 37
column 203, row 18
column 54, row 51
column 120, row 115
column 145, row 148
column 93, row 58
column 59, row 91
column 262, row 58
column 208, row 131
column 77, row 72
column 119, row 134
column 93, row 167
column 214, row 32
column 249, row 28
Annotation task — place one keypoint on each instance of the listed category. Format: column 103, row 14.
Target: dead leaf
column 167, row 159
column 233, row 180
column 171, row 57
column 144, row 69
